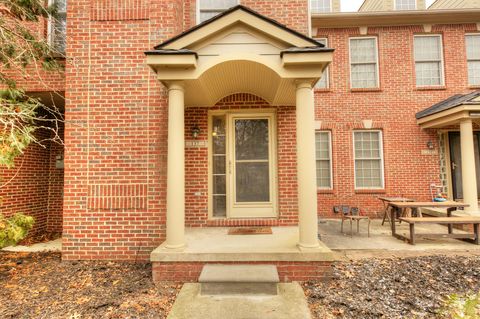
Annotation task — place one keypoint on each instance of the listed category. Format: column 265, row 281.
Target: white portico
column 241, row 51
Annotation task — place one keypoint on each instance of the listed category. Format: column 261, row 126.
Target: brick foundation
column 287, row 270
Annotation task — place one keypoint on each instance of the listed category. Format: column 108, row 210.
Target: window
column 321, row 6
column 363, row 63
column 323, row 82
column 58, row 26
column 219, row 171
column 368, row 159
column 428, row 60
column 209, row 8
column 405, row 4
column 473, row 58
column 323, row 145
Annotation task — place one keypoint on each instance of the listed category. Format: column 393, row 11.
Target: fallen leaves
column 42, row 286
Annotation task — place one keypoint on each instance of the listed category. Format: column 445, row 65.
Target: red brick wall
column 116, row 131
column 33, row 187
column 392, row 109
column 291, row 13
column 196, row 164
column 288, row 271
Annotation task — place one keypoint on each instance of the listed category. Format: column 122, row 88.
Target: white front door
column 250, row 174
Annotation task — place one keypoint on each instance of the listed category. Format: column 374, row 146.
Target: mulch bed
column 40, row 285
column 393, row 288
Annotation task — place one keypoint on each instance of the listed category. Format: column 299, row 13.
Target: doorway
column 243, row 157
column 456, row 162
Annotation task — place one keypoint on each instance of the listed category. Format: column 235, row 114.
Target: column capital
column 304, row 84
column 466, row 120
column 176, row 85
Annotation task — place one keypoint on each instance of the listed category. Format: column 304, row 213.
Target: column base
column 179, row 247
column 303, row 247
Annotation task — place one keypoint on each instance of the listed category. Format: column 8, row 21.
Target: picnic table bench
column 449, row 220
column 475, row 221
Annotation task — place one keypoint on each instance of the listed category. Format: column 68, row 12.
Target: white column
column 469, row 177
column 306, row 167
column 176, row 167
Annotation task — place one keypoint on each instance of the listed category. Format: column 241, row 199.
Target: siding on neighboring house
column 455, row 4
column 385, row 5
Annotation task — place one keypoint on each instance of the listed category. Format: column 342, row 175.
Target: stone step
column 218, row 279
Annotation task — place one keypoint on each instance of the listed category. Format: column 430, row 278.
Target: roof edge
column 379, row 18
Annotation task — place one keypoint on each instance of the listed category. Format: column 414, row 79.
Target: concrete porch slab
column 381, row 238
column 289, row 303
column 213, row 244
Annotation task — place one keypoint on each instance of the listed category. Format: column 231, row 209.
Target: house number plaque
column 195, row 144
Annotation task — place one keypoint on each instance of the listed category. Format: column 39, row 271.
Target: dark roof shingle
column 447, row 104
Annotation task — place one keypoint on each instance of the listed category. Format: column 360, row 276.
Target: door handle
column 454, row 166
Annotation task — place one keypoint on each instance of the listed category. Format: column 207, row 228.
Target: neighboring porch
column 456, row 119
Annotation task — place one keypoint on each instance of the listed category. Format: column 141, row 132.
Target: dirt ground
column 407, row 287
column 40, row 285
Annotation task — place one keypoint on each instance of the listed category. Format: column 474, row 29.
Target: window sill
column 370, row 191
column 431, row 88
column 474, row 87
column 324, row 191
column 366, row 90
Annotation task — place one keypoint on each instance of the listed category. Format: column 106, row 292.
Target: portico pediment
column 239, row 51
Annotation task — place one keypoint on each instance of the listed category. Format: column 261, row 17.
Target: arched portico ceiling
column 239, row 51
column 451, row 111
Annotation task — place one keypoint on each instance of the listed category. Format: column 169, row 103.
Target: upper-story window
column 58, row 26
column 428, row 60
column 321, row 6
column 363, row 63
column 323, row 83
column 473, row 58
column 209, row 8
column 405, row 4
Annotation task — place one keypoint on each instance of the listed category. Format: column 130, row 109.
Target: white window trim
column 382, row 168
column 311, row 8
column 376, row 62
column 327, row 70
column 396, row 8
column 197, row 10
column 50, row 33
column 442, row 61
column 330, row 155
column 468, row 75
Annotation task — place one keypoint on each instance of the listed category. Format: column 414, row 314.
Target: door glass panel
column 251, row 139
column 252, row 168
column 252, row 184
column 219, row 167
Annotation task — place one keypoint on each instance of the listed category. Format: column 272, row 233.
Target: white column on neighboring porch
column 176, row 167
column 469, row 177
column 306, row 166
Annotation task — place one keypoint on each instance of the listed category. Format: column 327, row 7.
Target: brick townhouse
column 184, row 116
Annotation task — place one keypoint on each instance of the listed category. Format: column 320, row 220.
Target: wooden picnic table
column 397, row 207
column 386, row 199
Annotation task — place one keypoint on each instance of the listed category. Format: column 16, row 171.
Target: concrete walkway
column 289, row 303
column 54, row 245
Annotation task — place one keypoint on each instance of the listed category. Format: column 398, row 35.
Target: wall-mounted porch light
column 430, row 145
column 195, row 131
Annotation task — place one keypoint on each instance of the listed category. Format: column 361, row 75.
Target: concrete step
column 218, row 279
